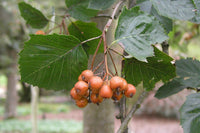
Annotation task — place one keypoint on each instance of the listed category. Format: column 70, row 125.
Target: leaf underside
column 190, row 114
column 137, row 31
column 147, row 7
column 175, row 9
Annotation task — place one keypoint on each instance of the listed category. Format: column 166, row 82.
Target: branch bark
column 124, row 125
column 165, row 47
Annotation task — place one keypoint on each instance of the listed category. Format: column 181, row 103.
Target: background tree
column 11, row 40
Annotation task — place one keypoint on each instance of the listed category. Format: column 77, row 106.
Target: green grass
column 25, row 109
column 44, row 126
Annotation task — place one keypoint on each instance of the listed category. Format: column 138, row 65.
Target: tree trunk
column 100, row 119
column 11, row 95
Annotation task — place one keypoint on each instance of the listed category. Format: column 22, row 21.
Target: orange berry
column 79, row 78
column 95, row 98
column 86, row 75
column 81, row 88
column 131, row 90
column 105, row 91
column 95, row 91
column 86, row 94
column 124, row 85
column 82, row 102
column 74, row 95
column 40, row 32
column 116, row 82
column 95, row 83
column 117, row 96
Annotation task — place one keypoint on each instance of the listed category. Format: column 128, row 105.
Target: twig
column 108, row 24
column 105, row 54
column 116, row 73
column 97, row 67
column 112, row 16
column 95, row 53
column 111, row 72
column 65, row 27
column 116, row 52
column 58, row 26
column 91, row 39
column 131, row 113
column 122, row 109
column 165, row 47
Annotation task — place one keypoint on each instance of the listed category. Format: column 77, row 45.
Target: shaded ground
column 139, row 124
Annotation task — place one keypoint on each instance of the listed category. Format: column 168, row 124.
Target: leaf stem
column 105, row 54
column 65, row 27
column 97, row 67
column 116, row 73
column 95, row 53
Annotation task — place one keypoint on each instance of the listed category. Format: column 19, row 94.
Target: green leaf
column 32, row 16
column 84, row 31
column 100, row 4
column 196, row 19
column 157, row 68
column 52, row 61
column 79, row 9
column 189, row 70
column 170, row 88
column 175, row 9
column 147, row 7
column 190, row 114
column 137, row 31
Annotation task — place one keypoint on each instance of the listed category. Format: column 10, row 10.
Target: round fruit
column 86, row 75
column 82, row 102
column 117, row 96
column 105, row 91
column 95, row 98
column 95, row 83
column 81, row 88
column 131, row 90
column 74, row 95
column 116, row 82
column 80, row 78
column 95, row 91
column 40, row 32
column 124, row 85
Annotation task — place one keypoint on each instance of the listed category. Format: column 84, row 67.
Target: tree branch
column 131, row 113
column 165, row 47
column 91, row 39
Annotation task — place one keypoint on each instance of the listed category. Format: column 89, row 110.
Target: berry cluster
column 91, row 88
